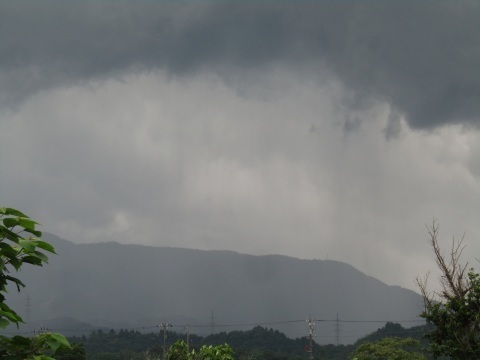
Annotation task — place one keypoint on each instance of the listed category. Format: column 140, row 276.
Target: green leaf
column 10, row 235
column 13, row 315
column 14, row 212
column 10, row 222
column 9, row 315
column 46, row 246
column 28, row 245
column 56, row 340
column 16, row 263
column 27, row 223
column 4, row 323
column 32, row 259
column 41, row 256
column 17, row 282
column 37, row 233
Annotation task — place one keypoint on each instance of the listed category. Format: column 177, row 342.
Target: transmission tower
column 28, row 308
column 187, row 333
column 337, row 330
column 212, row 324
column 311, row 331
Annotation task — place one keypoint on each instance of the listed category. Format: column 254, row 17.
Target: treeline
column 262, row 343
column 396, row 330
column 258, row 343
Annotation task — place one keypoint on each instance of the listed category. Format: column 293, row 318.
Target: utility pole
column 165, row 327
column 41, row 330
column 187, row 331
column 311, row 330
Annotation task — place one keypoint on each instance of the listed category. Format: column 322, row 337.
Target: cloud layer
column 420, row 57
column 328, row 129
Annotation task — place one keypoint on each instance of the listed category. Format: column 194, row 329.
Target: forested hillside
column 257, row 343
column 126, row 286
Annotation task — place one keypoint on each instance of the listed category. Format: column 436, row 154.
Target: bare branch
column 453, row 280
column 422, row 285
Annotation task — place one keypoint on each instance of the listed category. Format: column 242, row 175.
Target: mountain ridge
column 137, row 285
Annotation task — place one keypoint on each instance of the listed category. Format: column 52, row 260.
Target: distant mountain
column 115, row 285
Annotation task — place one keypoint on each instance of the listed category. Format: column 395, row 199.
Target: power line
column 338, row 321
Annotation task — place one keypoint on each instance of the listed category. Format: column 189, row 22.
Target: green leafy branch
column 180, row 351
column 20, row 244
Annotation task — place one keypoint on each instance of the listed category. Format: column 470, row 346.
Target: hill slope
column 109, row 284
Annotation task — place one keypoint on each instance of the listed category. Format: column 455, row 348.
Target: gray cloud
column 421, row 57
column 191, row 163
column 257, row 127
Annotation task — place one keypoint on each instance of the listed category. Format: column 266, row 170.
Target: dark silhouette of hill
column 115, row 285
column 257, row 343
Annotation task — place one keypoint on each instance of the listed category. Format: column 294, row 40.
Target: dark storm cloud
column 421, row 57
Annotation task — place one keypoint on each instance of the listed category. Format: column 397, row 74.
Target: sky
column 315, row 129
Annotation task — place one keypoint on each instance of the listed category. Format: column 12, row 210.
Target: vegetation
column 396, row 330
column 258, row 343
column 455, row 310
column 181, row 351
column 389, row 348
column 20, row 245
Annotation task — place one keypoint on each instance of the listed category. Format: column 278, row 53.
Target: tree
column 390, row 348
column 455, row 309
column 180, row 351
column 20, row 244
column 75, row 352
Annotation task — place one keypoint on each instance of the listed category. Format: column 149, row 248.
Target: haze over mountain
column 111, row 284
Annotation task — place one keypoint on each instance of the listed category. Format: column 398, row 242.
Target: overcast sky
column 319, row 129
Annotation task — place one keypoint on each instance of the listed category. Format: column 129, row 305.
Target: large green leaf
column 8, row 251
column 16, row 318
column 28, row 245
column 10, row 222
column 55, row 340
column 6, row 233
column 14, row 212
column 9, row 315
column 37, row 233
column 27, row 223
column 16, row 263
column 17, row 282
column 4, row 323
column 32, row 259
column 45, row 246
column 41, row 256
